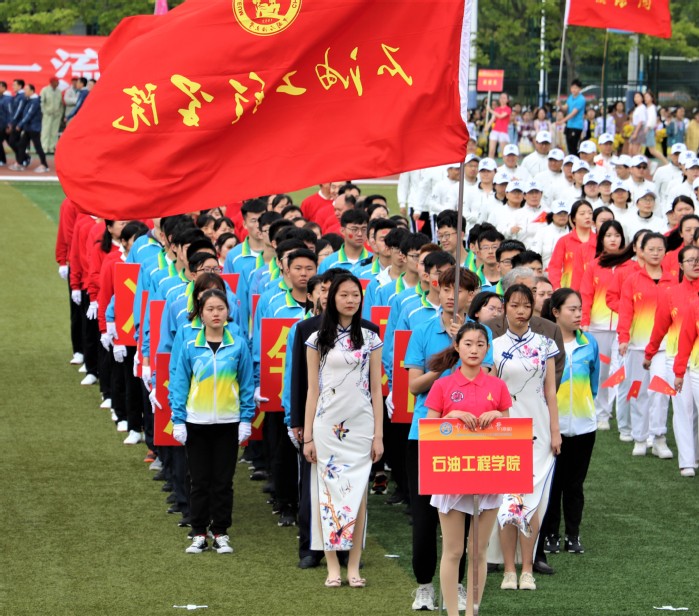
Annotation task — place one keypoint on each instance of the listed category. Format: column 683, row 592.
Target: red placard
column 257, row 423
column 157, row 306
column 139, row 352
column 365, row 283
column 403, row 400
column 490, row 80
column 125, row 280
column 232, row 280
column 456, row 460
column 162, row 417
column 274, row 334
column 379, row 317
column 255, row 299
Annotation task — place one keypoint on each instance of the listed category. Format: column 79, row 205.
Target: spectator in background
column 52, row 114
column 620, row 116
column 676, row 127
column 692, row 134
column 30, row 130
column 5, row 109
column 501, row 122
column 16, row 112
column 70, row 96
column 575, row 116
column 83, row 91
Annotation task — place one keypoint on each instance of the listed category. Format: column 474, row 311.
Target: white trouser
column 684, row 420
column 623, row 406
column 605, row 395
column 648, row 409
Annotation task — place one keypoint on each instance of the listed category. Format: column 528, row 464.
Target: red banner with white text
column 650, row 17
column 224, row 100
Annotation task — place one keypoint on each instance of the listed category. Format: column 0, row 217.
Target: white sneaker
column 649, row 441
column 122, row 426
column 687, row 472
column 106, row 404
column 198, row 545
column 603, row 424
column 77, row 360
column 113, row 414
column 90, row 379
column 424, row 597
column 527, row 582
column 41, row 169
column 639, row 449
column 82, row 369
column 660, row 448
column 133, row 438
column 220, row 544
column 625, row 437
column 509, row 581
column 156, row 465
column 462, row 597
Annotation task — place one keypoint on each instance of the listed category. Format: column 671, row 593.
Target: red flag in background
column 650, row 17
column 634, row 390
column 615, row 379
column 219, row 101
column 661, row 386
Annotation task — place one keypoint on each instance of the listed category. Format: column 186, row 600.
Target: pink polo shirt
column 456, row 393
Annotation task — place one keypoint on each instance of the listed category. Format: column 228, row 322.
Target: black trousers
column 212, row 453
column 425, row 524
column 147, row 414
column 76, row 325
column 35, row 138
column 573, row 139
column 567, row 485
column 177, row 466
column 285, row 470
column 304, row 512
column 134, row 395
column 106, row 359
column 396, row 442
column 91, row 337
column 13, row 140
column 3, row 137
column 118, row 387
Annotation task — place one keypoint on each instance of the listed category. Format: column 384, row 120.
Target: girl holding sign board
column 476, row 398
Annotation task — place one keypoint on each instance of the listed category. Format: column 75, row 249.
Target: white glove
column 292, row 438
column 92, row 311
column 258, row 397
column 179, row 433
column 119, row 353
column 389, row 404
column 112, row 330
column 244, row 431
column 154, row 401
column 135, row 365
column 63, row 271
column 106, row 341
column 76, row 296
column 146, row 376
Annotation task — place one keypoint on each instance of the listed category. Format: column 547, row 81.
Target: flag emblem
column 266, row 17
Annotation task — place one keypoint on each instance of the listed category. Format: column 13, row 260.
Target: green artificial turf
column 86, row 533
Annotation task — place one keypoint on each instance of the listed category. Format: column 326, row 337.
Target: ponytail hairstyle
column 610, row 224
column 330, row 320
column 610, row 261
column 559, row 297
column 204, row 283
column 106, row 243
column 449, row 357
column 681, row 255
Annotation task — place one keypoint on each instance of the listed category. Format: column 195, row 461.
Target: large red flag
column 220, row 101
column 643, row 16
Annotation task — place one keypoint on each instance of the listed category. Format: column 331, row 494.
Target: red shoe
column 150, row 457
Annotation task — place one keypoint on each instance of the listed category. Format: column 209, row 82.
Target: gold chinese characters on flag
column 222, row 100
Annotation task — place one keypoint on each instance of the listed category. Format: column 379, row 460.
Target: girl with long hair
column 575, row 250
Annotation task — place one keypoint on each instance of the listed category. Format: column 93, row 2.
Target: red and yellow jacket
column 621, row 273
column 596, row 314
column 569, row 260
column 688, row 345
column 637, row 307
column 671, row 311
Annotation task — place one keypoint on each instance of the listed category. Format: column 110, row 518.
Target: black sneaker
column 552, row 544
column 171, row 498
column 573, row 545
column 396, row 498
column 287, row 519
column 258, row 476
column 159, row 476
column 167, row 487
column 276, row 507
column 380, row 484
column 185, row 522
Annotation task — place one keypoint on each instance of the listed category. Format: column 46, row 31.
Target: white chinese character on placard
column 82, row 64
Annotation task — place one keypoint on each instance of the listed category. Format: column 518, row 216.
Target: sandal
column 333, row 582
column 356, row 582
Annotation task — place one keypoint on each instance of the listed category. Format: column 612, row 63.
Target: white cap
column 452, row 165
column 487, row 164
column 695, row 184
column 514, row 185
column 621, row 185
column 533, row 185
column 590, row 178
column 580, row 165
column 510, row 150
column 678, row 148
column 556, row 154
column 692, row 162
column 543, row 136
column 570, row 159
column 560, row 206
column 502, row 177
column 605, row 138
column 685, row 156
column 471, row 157
column 623, row 160
column 604, row 177
column 638, row 160
column 644, row 193
column 587, row 147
